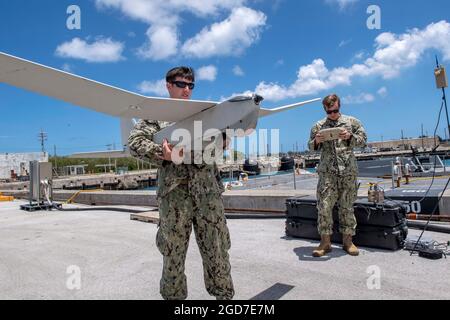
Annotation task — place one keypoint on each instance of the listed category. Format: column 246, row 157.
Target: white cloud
column 205, row 7
column 276, row 4
column 150, row 12
column 208, row 73
column 154, row 87
column 359, row 55
column 343, row 43
column 279, row 62
column 237, row 71
column 342, row 3
column 229, row 37
column 102, row 50
column 167, row 12
column 393, row 53
column 383, row 92
column 359, row 99
column 164, row 19
column 66, row 67
column 162, row 43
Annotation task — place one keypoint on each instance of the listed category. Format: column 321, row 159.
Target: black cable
column 435, row 157
column 442, row 194
column 435, row 160
column 431, row 216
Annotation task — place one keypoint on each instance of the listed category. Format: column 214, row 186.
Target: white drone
column 240, row 112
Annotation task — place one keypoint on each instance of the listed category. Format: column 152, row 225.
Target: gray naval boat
column 426, row 190
column 423, row 166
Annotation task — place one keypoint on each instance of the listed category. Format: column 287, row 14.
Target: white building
column 18, row 163
column 75, row 170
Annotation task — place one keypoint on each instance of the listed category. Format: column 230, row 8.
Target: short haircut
column 183, row 72
column 330, row 100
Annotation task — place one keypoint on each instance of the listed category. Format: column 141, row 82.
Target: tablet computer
column 331, row 133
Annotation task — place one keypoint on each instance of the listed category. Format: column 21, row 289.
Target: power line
column 42, row 136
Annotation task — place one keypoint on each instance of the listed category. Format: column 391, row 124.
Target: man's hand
column 345, row 135
column 167, row 149
column 319, row 139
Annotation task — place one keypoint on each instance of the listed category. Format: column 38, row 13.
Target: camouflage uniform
column 338, row 172
column 188, row 195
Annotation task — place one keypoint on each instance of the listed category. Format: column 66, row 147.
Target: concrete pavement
column 41, row 254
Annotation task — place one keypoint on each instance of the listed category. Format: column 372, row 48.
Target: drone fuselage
column 237, row 116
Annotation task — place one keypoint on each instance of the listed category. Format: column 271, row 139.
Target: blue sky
column 285, row 50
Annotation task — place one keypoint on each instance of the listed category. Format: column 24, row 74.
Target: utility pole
column 264, row 151
column 423, row 146
column 42, row 136
column 54, row 155
column 109, row 158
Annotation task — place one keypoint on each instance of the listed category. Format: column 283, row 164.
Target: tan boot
column 323, row 248
column 349, row 246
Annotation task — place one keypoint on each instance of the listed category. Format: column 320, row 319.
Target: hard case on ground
column 388, row 214
column 389, row 238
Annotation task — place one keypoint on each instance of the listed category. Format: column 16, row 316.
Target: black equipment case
column 379, row 225
column 388, row 214
column 390, row 238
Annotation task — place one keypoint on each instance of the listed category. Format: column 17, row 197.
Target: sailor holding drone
column 336, row 136
column 189, row 195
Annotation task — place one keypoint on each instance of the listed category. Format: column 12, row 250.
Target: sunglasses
column 182, row 84
column 333, row 111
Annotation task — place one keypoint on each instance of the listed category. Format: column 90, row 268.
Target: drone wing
column 94, row 95
column 269, row 112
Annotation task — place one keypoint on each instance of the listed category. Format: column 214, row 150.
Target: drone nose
column 257, row 98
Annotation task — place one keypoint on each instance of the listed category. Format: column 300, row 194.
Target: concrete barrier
column 237, row 201
column 130, row 198
column 260, row 200
column 234, row 201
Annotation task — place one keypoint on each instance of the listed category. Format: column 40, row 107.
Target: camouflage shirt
column 337, row 156
column 201, row 180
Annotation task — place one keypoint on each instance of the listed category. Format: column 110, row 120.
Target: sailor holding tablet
column 335, row 137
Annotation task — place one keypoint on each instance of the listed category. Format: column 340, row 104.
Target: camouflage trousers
column 333, row 189
column 179, row 212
